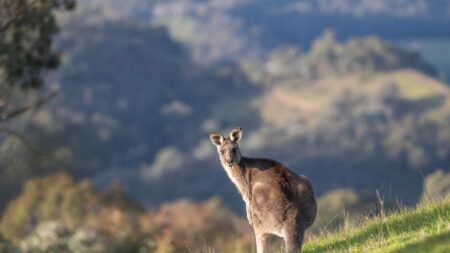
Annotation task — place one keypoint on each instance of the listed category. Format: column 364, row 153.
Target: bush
column 56, row 214
column 437, row 185
column 5, row 246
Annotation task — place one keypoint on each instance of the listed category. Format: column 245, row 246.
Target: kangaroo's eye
column 234, row 150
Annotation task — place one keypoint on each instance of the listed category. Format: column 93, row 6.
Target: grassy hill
column 304, row 102
column 423, row 229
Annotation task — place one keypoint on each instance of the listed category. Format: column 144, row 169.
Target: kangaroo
column 278, row 201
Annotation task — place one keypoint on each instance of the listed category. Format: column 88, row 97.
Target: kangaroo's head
column 228, row 148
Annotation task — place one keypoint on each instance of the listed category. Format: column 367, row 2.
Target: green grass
column 423, row 229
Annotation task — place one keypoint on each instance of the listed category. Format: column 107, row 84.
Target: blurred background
column 106, row 106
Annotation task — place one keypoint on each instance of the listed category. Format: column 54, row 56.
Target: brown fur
column 278, row 201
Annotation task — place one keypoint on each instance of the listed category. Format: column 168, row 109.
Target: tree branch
column 9, row 115
column 22, row 139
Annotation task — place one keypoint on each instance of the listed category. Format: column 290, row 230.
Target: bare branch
column 8, row 115
column 22, row 139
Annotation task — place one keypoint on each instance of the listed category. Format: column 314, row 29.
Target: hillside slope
column 305, row 102
column 424, row 229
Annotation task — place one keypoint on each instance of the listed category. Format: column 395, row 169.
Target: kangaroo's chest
column 242, row 180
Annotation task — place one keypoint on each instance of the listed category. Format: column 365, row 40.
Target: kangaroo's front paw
column 249, row 215
column 250, row 220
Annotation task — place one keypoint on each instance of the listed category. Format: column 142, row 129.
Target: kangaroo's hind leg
column 293, row 238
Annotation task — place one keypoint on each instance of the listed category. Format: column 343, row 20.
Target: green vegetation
column 436, row 185
column 56, row 214
column 26, row 32
column 288, row 66
column 305, row 84
column 423, row 229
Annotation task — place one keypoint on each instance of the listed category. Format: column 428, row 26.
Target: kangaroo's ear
column 216, row 138
column 236, row 134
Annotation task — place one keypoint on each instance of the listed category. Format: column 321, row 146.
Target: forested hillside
column 107, row 126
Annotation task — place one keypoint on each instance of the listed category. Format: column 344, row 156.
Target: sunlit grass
column 412, row 84
column 424, row 229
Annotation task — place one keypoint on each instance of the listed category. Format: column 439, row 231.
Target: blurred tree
column 56, row 214
column 50, row 237
column 27, row 28
column 26, row 31
column 186, row 224
column 58, row 197
column 437, row 185
column 43, row 199
column 5, row 246
column 286, row 66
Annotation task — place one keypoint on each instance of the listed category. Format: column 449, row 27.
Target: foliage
column 26, row 31
column 55, row 214
column 327, row 57
column 386, row 127
column 48, row 237
column 184, row 224
column 59, row 198
column 365, row 134
column 436, row 186
column 46, row 199
column 6, row 246
column 54, row 237
column 422, row 229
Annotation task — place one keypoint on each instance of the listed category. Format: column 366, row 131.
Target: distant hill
column 336, row 111
column 126, row 89
column 254, row 27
